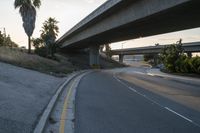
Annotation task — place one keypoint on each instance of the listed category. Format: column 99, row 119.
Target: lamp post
column 123, row 44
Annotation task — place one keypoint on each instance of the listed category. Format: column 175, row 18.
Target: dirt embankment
column 64, row 63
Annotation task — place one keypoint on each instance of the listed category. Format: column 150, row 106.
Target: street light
column 123, row 44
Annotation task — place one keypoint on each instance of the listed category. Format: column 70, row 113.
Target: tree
column 148, row 57
column 108, row 50
column 27, row 9
column 5, row 40
column 171, row 55
column 39, row 45
column 49, row 33
column 1, row 39
column 101, row 48
column 195, row 64
column 37, row 42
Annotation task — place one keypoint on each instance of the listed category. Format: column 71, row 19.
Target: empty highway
column 133, row 100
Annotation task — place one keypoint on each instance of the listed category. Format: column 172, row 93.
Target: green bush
column 182, row 64
column 148, row 57
column 175, row 60
column 185, row 67
column 170, row 56
column 195, row 64
column 42, row 51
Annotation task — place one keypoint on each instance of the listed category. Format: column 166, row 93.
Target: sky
column 69, row 13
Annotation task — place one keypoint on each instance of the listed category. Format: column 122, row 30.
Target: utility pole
column 4, row 31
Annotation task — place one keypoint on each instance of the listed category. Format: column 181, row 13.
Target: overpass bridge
column 118, row 20
column 189, row 48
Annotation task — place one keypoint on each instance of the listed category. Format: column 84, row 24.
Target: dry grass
column 35, row 62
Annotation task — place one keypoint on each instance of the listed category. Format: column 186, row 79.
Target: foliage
column 108, row 50
column 170, row 54
column 101, row 48
column 27, row 9
column 40, row 48
column 37, row 43
column 45, row 45
column 1, row 39
column 175, row 60
column 41, row 51
column 148, row 57
column 182, row 64
column 6, row 41
column 35, row 62
column 49, row 33
column 195, row 64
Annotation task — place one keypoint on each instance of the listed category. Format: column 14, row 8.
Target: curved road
column 130, row 100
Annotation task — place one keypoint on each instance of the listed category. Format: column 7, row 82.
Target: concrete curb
column 71, row 111
column 45, row 115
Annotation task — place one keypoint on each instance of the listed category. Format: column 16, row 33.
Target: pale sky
column 69, row 13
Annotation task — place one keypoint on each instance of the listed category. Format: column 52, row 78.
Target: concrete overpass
column 118, row 20
column 189, row 48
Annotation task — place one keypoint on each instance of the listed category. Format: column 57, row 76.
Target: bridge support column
column 94, row 56
column 121, row 58
column 189, row 54
column 156, row 59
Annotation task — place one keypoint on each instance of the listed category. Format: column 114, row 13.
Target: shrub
column 170, row 56
column 195, row 64
column 175, row 60
column 42, row 51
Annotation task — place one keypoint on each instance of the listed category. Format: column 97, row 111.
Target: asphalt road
column 132, row 101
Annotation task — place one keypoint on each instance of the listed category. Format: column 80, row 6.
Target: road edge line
column 71, row 101
column 46, row 113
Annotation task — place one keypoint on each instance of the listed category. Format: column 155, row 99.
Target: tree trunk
column 29, row 44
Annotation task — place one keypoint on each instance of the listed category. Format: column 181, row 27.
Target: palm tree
column 49, row 33
column 27, row 9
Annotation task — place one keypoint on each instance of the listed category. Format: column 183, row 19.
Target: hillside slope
column 80, row 59
column 24, row 95
column 64, row 63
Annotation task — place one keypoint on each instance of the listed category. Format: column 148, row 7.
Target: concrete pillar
column 94, row 56
column 189, row 54
column 121, row 58
column 155, row 59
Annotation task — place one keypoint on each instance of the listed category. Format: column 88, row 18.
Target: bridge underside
column 133, row 19
column 184, row 16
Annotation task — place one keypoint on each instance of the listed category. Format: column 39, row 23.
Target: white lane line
column 139, row 73
column 121, row 81
column 150, row 74
column 178, row 114
column 187, row 119
column 143, row 95
column 132, row 89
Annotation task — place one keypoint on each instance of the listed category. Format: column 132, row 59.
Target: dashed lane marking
column 146, row 97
